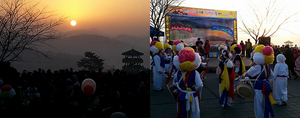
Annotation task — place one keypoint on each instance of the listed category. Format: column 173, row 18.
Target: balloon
column 7, row 92
column 88, row 86
column 88, row 90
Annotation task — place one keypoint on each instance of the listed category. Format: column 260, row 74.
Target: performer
column 176, row 47
column 188, row 83
column 262, row 98
column 168, row 58
column 221, row 48
column 158, row 66
column 252, row 54
column 281, row 73
column 226, row 80
column 238, row 62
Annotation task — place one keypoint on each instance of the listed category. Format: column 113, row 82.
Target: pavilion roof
column 132, row 52
column 288, row 41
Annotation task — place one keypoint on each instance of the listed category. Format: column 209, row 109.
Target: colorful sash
column 263, row 84
column 168, row 61
column 186, row 94
column 227, row 85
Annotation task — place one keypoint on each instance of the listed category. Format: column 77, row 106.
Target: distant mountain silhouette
column 69, row 50
column 82, row 31
column 132, row 39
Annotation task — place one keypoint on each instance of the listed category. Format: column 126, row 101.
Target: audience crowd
column 58, row 93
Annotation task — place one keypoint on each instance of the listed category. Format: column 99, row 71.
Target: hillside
column 68, row 50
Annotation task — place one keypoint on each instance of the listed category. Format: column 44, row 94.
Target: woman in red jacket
column 206, row 48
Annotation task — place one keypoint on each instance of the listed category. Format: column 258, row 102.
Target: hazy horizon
column 106, row 19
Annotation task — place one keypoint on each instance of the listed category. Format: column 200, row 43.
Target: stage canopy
column 153, row 32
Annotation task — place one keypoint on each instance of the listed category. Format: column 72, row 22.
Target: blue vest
column 162, row 62
column 168, row 61
column 190, row 84
column 264, row 75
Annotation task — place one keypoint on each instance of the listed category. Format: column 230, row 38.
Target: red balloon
column 88, row 90
column 88, row 86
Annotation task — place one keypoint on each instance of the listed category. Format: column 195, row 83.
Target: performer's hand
column 236, row 75
column 244, row 74
column 160, row 72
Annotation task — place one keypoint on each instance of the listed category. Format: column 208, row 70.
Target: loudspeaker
column 265, row 40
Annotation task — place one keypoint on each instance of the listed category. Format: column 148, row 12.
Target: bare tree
column 158, row 11
column 23, row 27
column 267, row 21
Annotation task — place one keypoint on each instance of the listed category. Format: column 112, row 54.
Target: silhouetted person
column 248, row 48
column 288, row 53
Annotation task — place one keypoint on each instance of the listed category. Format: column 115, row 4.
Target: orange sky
column 111, row 17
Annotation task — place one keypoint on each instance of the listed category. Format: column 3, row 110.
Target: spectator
column 234, row 42
column 288, row 53
column 295, row 53
column 60, row 96
column 276, row 52
column 248, row 48
column 227, row 45
column 243, row 47
column 199, row 48
column 207, row 48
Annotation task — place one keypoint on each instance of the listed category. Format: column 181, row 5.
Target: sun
column 73, row 22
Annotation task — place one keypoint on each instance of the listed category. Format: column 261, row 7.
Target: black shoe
column 296, row 76
column 284, row 103
column 159, row 90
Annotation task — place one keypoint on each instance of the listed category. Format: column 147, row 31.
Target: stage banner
column 189, row 24
column 209, row 13
column 189, row 29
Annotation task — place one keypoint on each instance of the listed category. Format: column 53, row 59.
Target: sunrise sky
column 111, row 17
column 242, row 7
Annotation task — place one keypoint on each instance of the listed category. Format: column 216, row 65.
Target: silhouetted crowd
column 58, row 93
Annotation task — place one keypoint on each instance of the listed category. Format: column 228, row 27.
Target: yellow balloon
column 158, row 45
column 259, row 48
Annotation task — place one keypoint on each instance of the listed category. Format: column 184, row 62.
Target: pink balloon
column 152, row 43
column 268, row 50
column 6, row 88
column 186, row 54
column 176, row 42
column 238, row 45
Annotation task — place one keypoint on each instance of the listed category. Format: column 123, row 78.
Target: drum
column 245, row 90
column 173, row 90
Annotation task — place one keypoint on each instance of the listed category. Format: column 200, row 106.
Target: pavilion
column 132, row 61
column 290, row 43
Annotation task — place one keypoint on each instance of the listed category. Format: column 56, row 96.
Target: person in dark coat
column 288, row 53
column 243, row 47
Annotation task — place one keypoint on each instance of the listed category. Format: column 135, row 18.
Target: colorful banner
column 222, row 28
column 189, row 29
column 181, row 27
column 201, row 12
column 189, row 24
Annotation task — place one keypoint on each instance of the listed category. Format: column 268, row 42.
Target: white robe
column 198, row 87
column 259, row 103
column 280, row 83
column 158, row 78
